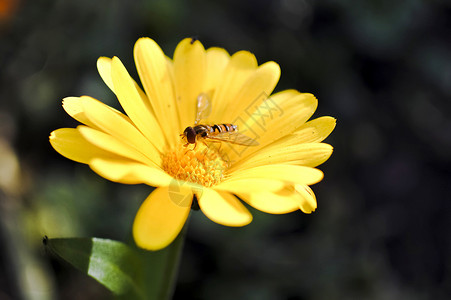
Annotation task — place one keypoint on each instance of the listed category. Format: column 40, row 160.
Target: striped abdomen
column 219, row 128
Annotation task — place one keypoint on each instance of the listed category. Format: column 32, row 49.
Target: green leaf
column 114, row 264
column 128, row 272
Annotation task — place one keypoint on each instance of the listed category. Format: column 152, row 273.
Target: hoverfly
column 217, row 132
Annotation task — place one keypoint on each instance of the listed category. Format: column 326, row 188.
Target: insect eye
column 190, row 134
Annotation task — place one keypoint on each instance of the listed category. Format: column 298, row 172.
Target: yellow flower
column 144, row 145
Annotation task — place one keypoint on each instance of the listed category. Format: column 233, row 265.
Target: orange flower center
column 202, row 165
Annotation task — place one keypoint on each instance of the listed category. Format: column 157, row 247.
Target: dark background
column 382, row 68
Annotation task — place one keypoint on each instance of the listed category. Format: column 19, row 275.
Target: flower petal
column 131, row 101
column 253, row 93
column 74, row 108
column 118, row 125
column 159, row 220
column 250, row 185
column 276, row 117
column 316, row 130
column 104, row 69
column 313, row 131
column 286, row 173
column 241, row 65
column 189, row 72
column 308, row 199
column 71, row 144
column 310, row 155
column 216, row 62
column 157, row 82
column 129, row 172
column 281, row 202
column 113, row 145
column 280, row 115
column 223, row 208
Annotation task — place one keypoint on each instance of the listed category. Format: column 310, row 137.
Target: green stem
column 172, row 267
column 161, row 269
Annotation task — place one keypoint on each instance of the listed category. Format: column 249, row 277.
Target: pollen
column 202, row 165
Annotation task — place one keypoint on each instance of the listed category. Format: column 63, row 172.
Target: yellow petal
column 281, row 114
column 159, row 220
column 310, row 155
column 71, row 144
column 118, row 125
column 170, row 66
column 313, row 131
column 278, row 116
column 286, row 173
column 241, row 65
column 310, row 134
column 104, row 69
column 224, row 208
column 155, row 76
column 131, row 101
column 282, row 202
column 249, row 185
column 113, row 145
column 308, row 199
column 129, row 172
column 216, row 62
column 316, row 130
column 189, row 72
column 74, row 108
column 254, row 91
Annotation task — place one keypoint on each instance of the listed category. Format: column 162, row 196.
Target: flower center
column 203, row 165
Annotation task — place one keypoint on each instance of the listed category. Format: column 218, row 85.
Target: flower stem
column 172, row 267
column 161, row 269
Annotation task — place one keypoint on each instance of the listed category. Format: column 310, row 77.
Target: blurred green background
column 382, row 68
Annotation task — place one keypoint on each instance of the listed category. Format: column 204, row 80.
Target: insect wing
column 203, row 107
column 234, row 138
